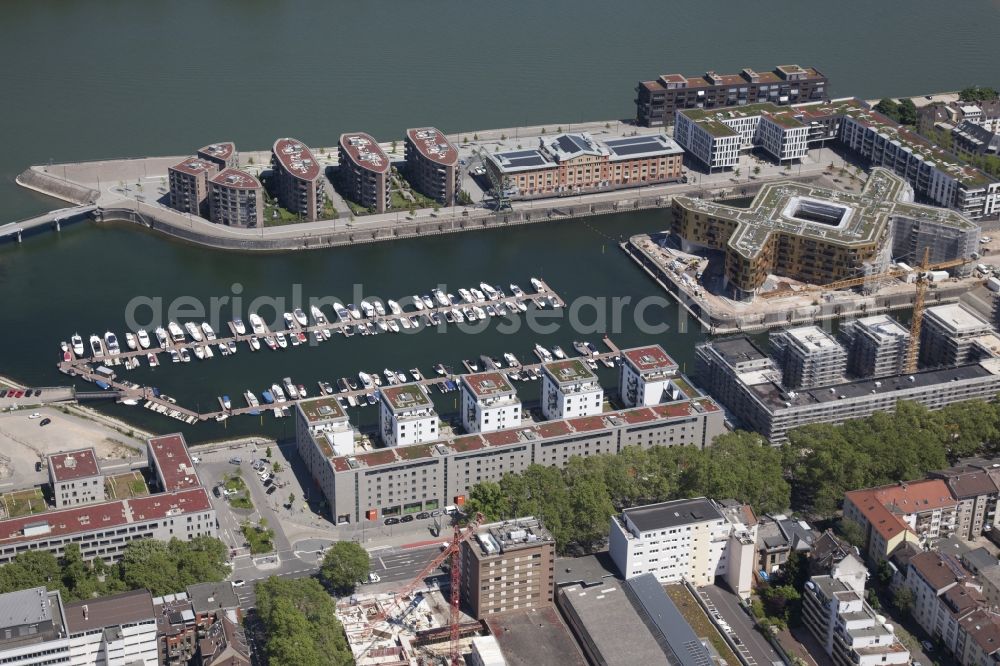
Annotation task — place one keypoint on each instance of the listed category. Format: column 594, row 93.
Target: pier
column 52, row 220
column 92, row 369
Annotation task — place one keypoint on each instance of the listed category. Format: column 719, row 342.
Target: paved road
column 753, row 643
column 402, row 566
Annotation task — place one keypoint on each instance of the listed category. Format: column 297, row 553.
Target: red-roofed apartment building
column 170, row 463
column 76, row 478
column 910, row 511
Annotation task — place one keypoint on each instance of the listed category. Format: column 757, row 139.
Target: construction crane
column 498, row 186
column 858, row 281
column 452, row 550
column 913, row 347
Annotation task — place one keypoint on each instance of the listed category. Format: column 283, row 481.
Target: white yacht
column 300, row 317
column 511, row 360
column 418, row 302
column 293, row 392
column 77, row 343
column 153, row 361
column 131, row 341
column 282, row 340
column 257, row 324
column 490, row 292
column 521, row 306
column 289, row 320
column 342, row 313
column 254, row 343
column 368, row 308
column 318, row 315
column 457, row 314
column 111, row 342
column 393, row 326
column 478, row 295
column 465, row 294
column 405, row 322
column 517, row 291
column 440, row 297
column 161, row 337
column 480, row 313
column 558, row 352
column 176, row 333
column 366, row 380
column 279, row 395
column 239, row 327
column 353, row 310
column 185, row 355
column 382, row 325
column 394, row 307
column 537, row 285
column 542, row 353
column 194, row 331
column 96, row 346
column 251, row 399
column 199, row 351
column 379, row 308
column 143, row 337
column 428, row 303
column 208, row 330
column 415, row 373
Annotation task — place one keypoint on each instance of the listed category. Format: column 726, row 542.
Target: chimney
column 86, row 612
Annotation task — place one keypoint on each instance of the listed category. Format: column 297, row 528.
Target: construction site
column 802, row 253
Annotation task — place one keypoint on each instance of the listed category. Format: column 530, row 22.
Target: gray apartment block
column 949, row 334
column 876, row 346
column 757, row 398
column 386, row 482
column 809, row 357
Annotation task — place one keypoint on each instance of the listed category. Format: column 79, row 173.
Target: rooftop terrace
column 405, row 397
column 569, row 371
column 324, row 408
column 296, row 158
column 488, row 384
column 364, row 151
column 433, row 145
column 71, row 465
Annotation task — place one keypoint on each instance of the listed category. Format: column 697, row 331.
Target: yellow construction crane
column 858, row 281
column 918, row 314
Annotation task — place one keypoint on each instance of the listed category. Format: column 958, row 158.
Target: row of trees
column 161, row 567
column 974, row 94
column 903, row 112
column 809, row 474
column 300, row 624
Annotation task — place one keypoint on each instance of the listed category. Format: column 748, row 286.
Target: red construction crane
column 453, row 550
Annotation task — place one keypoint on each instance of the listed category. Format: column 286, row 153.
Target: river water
column 112, row 79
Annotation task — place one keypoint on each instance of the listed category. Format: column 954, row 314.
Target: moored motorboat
column 300, row 317
column 426, row 300
column 194, row 331
column 257, row 324
column 131, row 340
column 542, row 353
column 418, row 302
column 279, row 395
column 77, row 342
column 176, row 333
column 318, row 315
column 251, row 399
column 394, row 307
column 208, row 331
column 379, row 308
column 143, row 337
column 290, row 388
column 558, row 352
column 352, row 310
column 111, row 343
column 239, row 327
column 517, row 291
column 162, row 338
column 153, row 361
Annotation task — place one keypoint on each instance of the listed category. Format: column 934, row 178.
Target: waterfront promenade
column 133, row 190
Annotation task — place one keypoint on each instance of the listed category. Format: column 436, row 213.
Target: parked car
column 35, row 415
column 239, row 582
column 408, row 518
column 373, row 577
column 927, row 645
column 195, row 460
column 423, row 515
column 38, row 466
column 236, row 461
column 45, row 422
column 3, row 393
column 435, row 513
column 218, row 491
column 391, row 521
column 271, row 489
column 267, row 482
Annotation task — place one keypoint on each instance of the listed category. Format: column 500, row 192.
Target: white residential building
column 644, row 376
column 489, row 403
column 850, row 631
column 76, row 478
column 695, row 540
column 407, row 416
column 325, row 420
column 570, row 389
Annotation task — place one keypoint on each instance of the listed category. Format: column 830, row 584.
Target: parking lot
column 726, row 613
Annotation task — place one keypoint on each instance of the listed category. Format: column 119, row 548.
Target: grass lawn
column 702, row 626
column 420, row 201
column 259, row 538
column 276, row 216
column 24, row 502
column 241, row 500
column 123, row 486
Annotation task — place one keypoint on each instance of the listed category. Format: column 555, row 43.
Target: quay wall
column 54, row 186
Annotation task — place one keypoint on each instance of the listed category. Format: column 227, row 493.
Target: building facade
column 364, row 172
column 949, row 334
column 876, row 346
column 569, row 389
column 644, row 376
column 489, row 403
column 508, row 566
column 236, row 199
column 223, row 155
column 432, row 164
column 75, row 478
column 189, row 185
column 297, row 179
column 694, row 540
column 809, row 357
column 657, row 100
column 407, row 416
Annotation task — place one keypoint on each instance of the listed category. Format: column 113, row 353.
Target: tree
column 744, row 466
column 276, row 467
column 977, row 94
column 267, row 452
column 736, row 172
column 756, row 170
column 291, row 499
column 902, row 599
column 300, row 623
column 850, row 531
column 907, row 112
column 344, row 564
column 888, row 108
column 148, row 563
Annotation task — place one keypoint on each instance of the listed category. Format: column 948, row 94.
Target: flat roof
column 883, row 326
column 405, row 396
column 956, row 318
column 515, row 161
column 236, row 179
column 296, row 159
column 487, row 384
column 194, row 166
column 535, row 637
column 71, row 465
column 671, row 514
column 499, row 538
column 220, row 151
column 640, row 147
column 812, row 338
column 865, row 214
column 569, row 371
column 117, row 609
column 658, row 610
column 364, row 151
column 611, row 624
column 649, row 359
column 740, row 349
column 172, row 462
column 208, row 597
column 433, row 145
column 323, row 408
column 22, row 607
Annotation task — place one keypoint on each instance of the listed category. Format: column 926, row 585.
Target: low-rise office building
column 695, row 540
column 432, row 164
column 644, row 376
column 368, row 484
column 916, row 511
column 364, row 172
column 188, row 181
column 407, row 416
column 489, row 403
column 747, row 381
column 297, row 179
column 75, row 478
column 657, row 100
column 508, row 566
column 569, row 164
column 223, row 155
column 236, row 199
column 818, row 235
column 570, row 388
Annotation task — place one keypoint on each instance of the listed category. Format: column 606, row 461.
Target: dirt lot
column 23, row 442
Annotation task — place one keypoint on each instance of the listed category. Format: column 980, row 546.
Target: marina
column 198, row 339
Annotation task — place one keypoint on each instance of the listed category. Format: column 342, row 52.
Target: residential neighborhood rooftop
column 169, row 454
column 296, row 158
column 71, row 465
column 406, row 396
column 364, row 151
column 433, row 145
column 488, row 384
column 323, row 408
column 569, row 371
